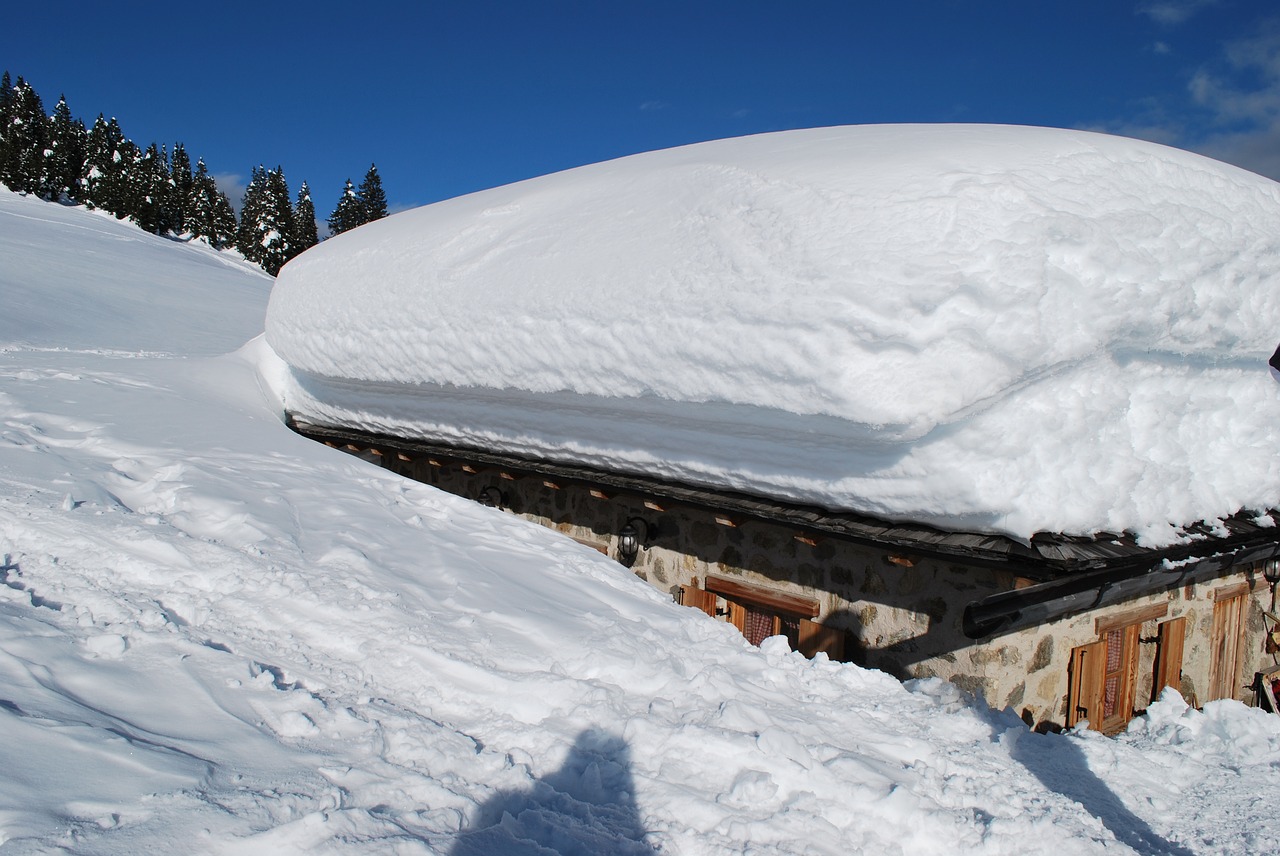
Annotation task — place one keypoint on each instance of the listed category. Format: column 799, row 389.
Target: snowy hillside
column 217, row 633
column 988, row 328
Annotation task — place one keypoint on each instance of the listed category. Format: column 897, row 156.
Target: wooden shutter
column 1128, row 679
column 1168, row 673
column 1225, row 650
column 1084, row 694
column 815, row 637
column 699, row 599
column 738, row 616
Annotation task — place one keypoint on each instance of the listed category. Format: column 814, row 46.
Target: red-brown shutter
column 1128, row 680
column 815, row 637
column 1084, row 694
column 1171, row 635
column 698, row 599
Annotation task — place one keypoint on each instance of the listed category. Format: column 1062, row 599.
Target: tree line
column 56, row 157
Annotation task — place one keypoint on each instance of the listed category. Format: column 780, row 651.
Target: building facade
column 1062, row 630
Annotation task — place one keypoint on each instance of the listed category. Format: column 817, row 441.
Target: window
column 1102, row 679
column 1103, row 675
column 760, row 612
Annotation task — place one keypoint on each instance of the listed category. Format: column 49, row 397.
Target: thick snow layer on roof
column 983, row 327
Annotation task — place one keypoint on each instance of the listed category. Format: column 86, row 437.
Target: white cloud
column 1161, row 48
column 1171, row 12
column 1232, row 106
column 654, row 105
column 1225, row 93
column 233, row 184
column 1257, row 150
column 1241, row 100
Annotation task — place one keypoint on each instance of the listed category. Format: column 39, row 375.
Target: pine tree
column 183, row 186
column 266, row 220
column 348, row 213
column 152, row 191
column 252, row 206
column 130, row 185
column 68, row 150
column 25, row 140
column 6, row 114
column 304, row 221
column 210, row 214
column 279, row 227
column 110, row 158
column 6, row 98
column 372, row 199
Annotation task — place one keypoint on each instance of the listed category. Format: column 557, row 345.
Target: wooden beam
column 761, row 596
column 1127, row 617
column 598, row 494
column 1237, row 589
column 654, row 506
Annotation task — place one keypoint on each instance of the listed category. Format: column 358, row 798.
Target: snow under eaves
column 991, row 328
column 219, row 637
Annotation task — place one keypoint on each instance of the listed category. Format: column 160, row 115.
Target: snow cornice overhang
column 1046, row 559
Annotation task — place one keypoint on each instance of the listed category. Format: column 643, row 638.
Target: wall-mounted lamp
column 1271, row 571
column 492, row 497
column 633, row 535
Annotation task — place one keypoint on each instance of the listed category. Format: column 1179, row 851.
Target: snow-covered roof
column 990, row 328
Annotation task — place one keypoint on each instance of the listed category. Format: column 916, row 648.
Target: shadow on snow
column 586, row 807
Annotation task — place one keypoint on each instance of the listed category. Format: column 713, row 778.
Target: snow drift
column 998, row 328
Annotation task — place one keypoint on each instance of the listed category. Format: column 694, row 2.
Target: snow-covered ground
column 216, row 636
column 990, row 328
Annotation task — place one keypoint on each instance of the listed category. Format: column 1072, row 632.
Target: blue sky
column 449, row 98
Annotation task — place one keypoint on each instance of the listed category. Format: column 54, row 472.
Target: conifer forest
column 55, row 156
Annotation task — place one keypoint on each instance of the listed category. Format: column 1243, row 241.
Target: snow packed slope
column 992, row 328
column 217, row 633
